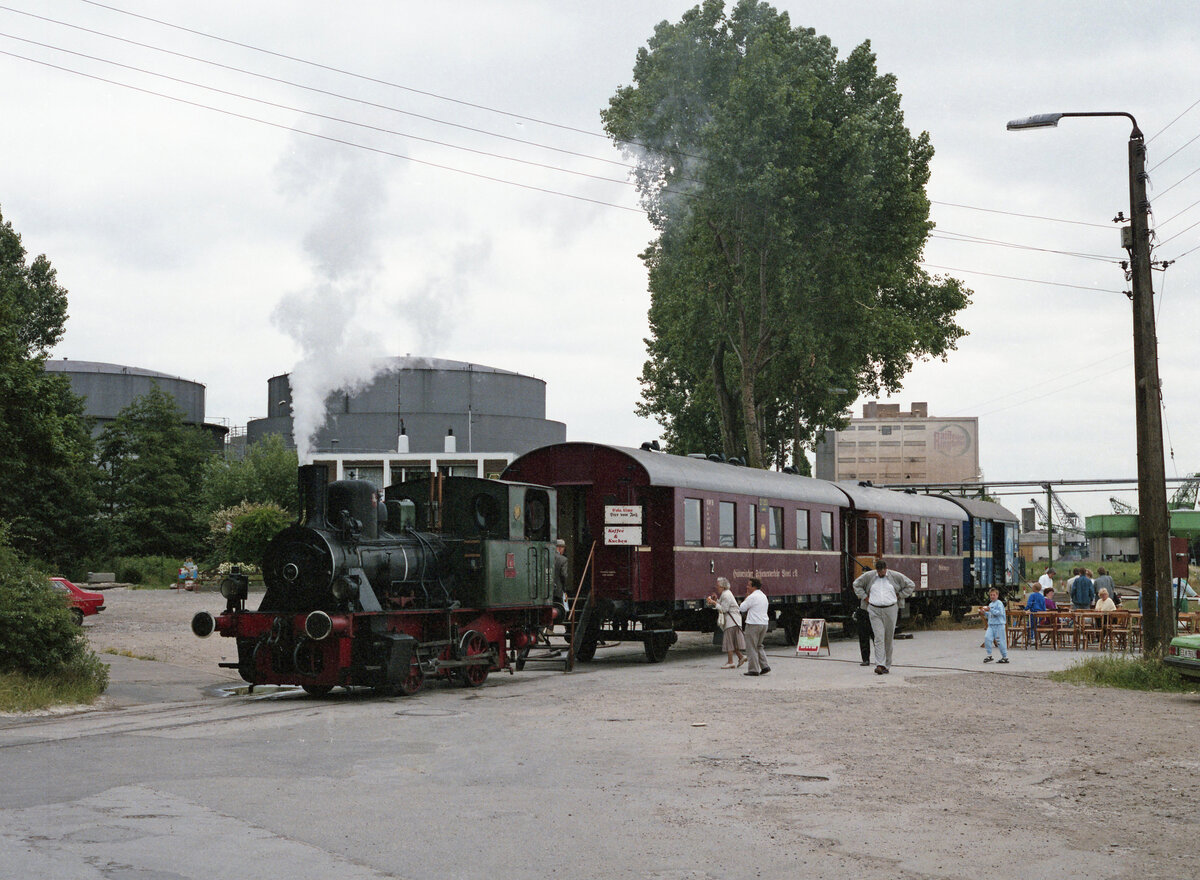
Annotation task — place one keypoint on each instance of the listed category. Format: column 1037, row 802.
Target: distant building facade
column 888, row 446
column 109, row 388
column 421, row 415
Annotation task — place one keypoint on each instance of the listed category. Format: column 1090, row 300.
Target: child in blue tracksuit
column 995, row 627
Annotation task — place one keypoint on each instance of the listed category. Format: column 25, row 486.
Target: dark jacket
column 1083, row 592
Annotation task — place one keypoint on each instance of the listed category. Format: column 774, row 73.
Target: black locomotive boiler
column 448, row 578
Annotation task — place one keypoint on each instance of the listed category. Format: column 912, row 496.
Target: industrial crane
column 1069, row 522
column 1185, row 496
column 1120, row 506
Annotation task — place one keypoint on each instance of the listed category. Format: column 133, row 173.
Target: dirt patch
column 157, row 624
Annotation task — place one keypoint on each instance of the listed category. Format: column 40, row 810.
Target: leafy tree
column 266, row 475
column 240, row 533
column 789, row 201
column 46, row 474
column 152, row 465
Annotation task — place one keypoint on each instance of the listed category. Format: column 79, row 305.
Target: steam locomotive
column 446, row 578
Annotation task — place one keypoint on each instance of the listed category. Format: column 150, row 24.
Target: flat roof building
column 887, row 446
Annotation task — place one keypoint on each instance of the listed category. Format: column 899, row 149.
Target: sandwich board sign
column 813, row 638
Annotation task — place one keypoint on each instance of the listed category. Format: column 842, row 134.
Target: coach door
column 865, row 539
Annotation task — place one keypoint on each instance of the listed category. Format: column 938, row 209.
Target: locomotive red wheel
column 473, row 644
column 415, row 680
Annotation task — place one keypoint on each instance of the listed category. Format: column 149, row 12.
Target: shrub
column 240, row 533
column 129, row 574
column 37, row 633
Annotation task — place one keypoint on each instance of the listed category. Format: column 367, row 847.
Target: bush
column 241, row 533
column 37, row 633
column 128, row 574
column 81, row 681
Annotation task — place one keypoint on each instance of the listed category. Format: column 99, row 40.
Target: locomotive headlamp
column 235, row 587
column 344, row 589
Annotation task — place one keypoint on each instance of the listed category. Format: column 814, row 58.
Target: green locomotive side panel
column 517, row 573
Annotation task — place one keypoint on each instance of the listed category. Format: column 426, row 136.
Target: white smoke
column 433, row 306
column 345, row 190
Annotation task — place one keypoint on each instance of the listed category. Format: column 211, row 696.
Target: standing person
column 1047, row 579
column 1104, row 581
column 1083, row 591
column 755, row 607
column 996, row 617
column 730, row 621
column 883, row 589
column 862, row 620
column 562, row 577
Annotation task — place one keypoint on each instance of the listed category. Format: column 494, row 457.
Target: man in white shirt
column 883, row 591
column 754, row 614
column 1047, row 579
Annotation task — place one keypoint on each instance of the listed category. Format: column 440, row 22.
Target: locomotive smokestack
column 314, row 482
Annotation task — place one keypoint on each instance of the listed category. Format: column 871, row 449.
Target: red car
column 83, row 602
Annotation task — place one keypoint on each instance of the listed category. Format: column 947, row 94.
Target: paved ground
column 945, row 768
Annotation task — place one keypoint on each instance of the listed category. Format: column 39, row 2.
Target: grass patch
column 79, row 683
column 1130, row 673
column 121, row 652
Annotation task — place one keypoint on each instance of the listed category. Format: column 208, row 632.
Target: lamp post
column 1158, row 620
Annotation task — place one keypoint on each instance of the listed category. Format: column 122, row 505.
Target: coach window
column 896, row 549
column 691, row 522
column 727, row 524
column 775, row 528
column 826, row 530
column 753, row 522
column 914, row 538
column 941, row 540
column 927, row 538
column 953, row 540
column 801, row 529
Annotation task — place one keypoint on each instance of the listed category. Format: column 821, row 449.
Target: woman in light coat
column 729, row 619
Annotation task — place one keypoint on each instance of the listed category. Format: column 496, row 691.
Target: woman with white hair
column 1104, row 603
column 729, row 619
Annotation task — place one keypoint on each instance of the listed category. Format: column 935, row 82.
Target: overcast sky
column 218, row 247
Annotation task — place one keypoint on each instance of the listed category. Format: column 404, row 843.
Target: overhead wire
column 315, row 90
column 344, row 72
column 1173, row 121
column 1018, row 278
column 328, row 138
column 325, row 116
column 1015, row 214
column 947, row 235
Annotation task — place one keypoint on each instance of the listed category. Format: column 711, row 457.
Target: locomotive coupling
column 203, row 624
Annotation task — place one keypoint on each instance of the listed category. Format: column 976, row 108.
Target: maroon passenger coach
column 660, row 529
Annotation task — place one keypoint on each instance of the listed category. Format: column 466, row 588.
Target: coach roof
column 871, row 498
column 664, row 469
column 983, row 509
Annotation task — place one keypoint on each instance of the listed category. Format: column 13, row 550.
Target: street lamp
column 1158, row 620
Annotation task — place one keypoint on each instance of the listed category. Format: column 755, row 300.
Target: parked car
column 1183, row 654
column 83, row 602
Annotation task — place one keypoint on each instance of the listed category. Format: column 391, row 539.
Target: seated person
column 1104, row 603
column 1036, row 601
column 1048, row 598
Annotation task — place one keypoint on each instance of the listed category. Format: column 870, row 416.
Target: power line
column 1017, row 278
column 1162, row 162
column 313, row 89
column 1173, row 121
column 344, row 72
column 327, row 117
column 975, row 239
column 328, row 138
column 1015, row 214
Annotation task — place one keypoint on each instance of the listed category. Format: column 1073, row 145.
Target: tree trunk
column 727, row 412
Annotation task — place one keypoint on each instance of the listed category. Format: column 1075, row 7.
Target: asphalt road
column 621, row 770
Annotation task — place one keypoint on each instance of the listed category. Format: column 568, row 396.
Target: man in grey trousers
column 883, row 590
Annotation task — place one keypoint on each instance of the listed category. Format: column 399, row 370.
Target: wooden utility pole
column 1154, row 543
